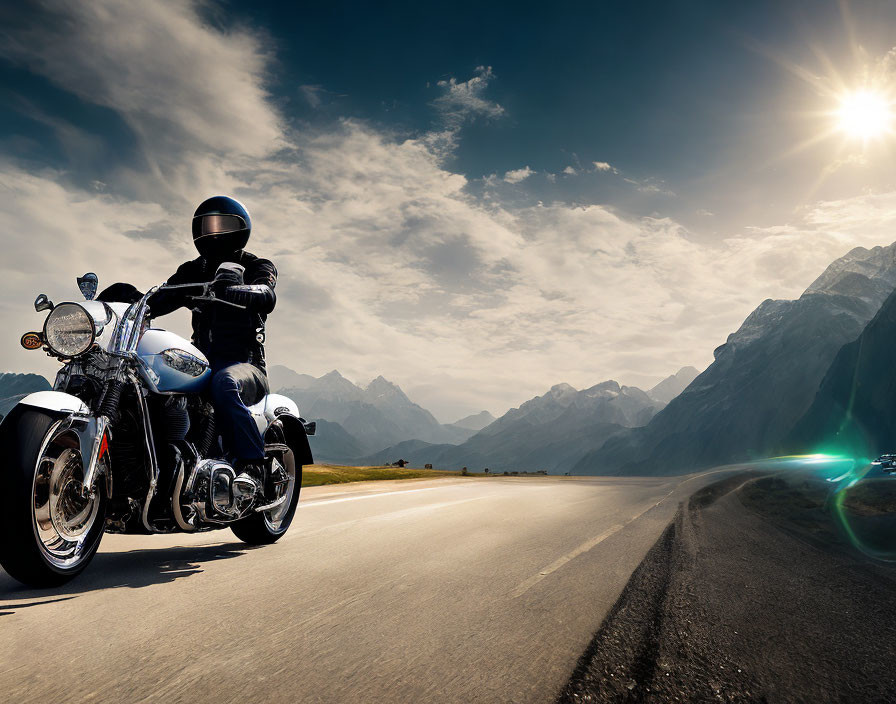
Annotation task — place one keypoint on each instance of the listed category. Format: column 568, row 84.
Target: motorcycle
column 126, row 442
column 886, row 464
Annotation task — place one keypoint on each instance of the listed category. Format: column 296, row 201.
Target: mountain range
column 549, row 432
column 379, row 424
column 369, row 418
column 764, row 379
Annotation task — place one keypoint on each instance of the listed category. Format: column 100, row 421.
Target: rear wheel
column 266, row 527
column 50, row 531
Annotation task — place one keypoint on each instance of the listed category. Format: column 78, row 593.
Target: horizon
column 474, row 217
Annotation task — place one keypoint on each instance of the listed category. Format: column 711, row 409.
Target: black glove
column 228, row 274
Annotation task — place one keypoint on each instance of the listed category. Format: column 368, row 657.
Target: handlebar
column 207, row 296
column 212, row 299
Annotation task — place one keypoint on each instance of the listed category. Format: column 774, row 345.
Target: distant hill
column 332, row 443
column 763, row 379
column 280, row 377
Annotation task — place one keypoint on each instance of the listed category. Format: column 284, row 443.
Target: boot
column 249, row 481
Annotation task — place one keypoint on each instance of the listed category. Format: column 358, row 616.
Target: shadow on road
column 133, row 569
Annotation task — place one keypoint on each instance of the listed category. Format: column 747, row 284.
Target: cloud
column 311, row 93
column 570, row 171
column 388, row 263
column 189, row 92
column 604, row 166
column 463, row 100
column 518, row 175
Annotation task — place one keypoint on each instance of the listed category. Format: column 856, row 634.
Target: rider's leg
column 232, row 386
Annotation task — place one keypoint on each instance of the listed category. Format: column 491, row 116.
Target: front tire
column 50, row 533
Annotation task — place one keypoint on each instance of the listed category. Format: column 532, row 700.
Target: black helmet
column 221, row 226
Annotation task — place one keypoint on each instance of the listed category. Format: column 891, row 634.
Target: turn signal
column 31, row 341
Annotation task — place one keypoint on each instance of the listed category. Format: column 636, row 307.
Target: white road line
column 586, row 546
column 554, row 566
column 311, row 504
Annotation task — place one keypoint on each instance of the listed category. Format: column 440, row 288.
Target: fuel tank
column 171, row 364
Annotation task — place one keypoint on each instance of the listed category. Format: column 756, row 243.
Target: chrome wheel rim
column 63, row 518
column 274, row 517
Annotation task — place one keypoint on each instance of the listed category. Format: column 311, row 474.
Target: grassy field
column 318, row 474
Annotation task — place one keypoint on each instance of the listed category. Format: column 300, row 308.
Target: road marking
column 586, row 546
column 554, row 566
column 307, row 504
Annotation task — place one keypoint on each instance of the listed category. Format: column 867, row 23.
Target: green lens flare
column 847, row 522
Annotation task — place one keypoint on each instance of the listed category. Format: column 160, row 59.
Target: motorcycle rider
column 232, row 338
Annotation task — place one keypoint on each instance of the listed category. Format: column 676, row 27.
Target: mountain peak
column 381, row 382
column 673, row 385
column 563, row 388
column 382, row 387
column 860, row 272
column 476, row 422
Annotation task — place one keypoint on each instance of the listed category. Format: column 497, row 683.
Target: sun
column 865, row 114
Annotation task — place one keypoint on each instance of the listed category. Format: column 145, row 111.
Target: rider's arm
column 164, row 301
column 257, row 293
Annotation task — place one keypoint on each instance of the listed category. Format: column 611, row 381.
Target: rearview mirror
column 88, row 285
column 43, row 303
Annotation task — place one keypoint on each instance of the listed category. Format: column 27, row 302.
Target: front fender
column 56, row 402
column 75, row 416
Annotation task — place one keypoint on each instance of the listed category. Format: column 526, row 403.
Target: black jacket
column 225, row 333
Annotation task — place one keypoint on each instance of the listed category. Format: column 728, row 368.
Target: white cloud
column 463, row 100
column 604, row 166
column 184, row 87
column 570, row 171
column 387, row 263
column 518, row 175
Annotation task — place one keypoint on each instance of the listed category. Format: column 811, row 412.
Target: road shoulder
column 735, row 605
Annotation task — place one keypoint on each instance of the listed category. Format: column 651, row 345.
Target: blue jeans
column 234, row 386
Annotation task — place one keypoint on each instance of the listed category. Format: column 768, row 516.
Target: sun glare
column 865, row 115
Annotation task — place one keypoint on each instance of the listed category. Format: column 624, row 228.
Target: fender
column 56, row 402
column 76, row 417
column 296, row 438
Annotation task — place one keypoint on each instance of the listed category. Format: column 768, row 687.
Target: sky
column 476, row 201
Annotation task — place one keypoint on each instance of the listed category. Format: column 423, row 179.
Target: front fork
column 94, row 438
column 97, row 428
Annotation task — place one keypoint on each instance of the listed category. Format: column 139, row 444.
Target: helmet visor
column 205, row 225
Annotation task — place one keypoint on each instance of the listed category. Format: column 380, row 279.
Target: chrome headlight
column 184, row 362
column 69, row 330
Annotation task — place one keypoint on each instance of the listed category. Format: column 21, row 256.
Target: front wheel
column 267, row 527
column 50, row 532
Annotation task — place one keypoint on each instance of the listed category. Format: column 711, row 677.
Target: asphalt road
column 446, row 590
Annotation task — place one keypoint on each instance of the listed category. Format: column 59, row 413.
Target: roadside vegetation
column 319, row 474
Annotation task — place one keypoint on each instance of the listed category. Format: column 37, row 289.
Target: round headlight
column 69, row 330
